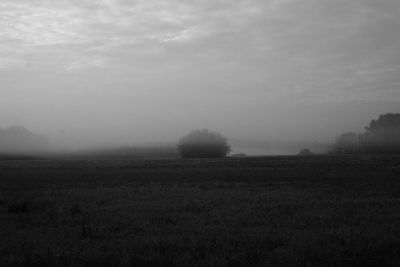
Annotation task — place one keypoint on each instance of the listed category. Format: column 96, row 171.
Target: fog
column 123, row 73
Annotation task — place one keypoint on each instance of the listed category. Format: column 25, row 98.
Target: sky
column 132, row 71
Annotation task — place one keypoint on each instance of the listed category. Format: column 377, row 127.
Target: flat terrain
column 262, row 211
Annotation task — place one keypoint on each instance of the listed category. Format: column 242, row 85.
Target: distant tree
column 19, row 140
column 203, row 144
column 347, row 143
column 383, row 135
column 305, row 152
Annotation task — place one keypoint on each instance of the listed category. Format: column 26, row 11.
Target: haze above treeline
column 19, row 140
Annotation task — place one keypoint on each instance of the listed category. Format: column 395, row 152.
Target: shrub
column 203, row 144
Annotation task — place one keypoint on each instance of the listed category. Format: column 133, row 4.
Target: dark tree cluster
column 381, row 136
column 203, row 144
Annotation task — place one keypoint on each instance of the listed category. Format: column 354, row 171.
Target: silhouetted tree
column 203, row 144
column 347, row 143
column 383, row 135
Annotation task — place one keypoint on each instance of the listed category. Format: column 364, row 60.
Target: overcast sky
column 150, row 70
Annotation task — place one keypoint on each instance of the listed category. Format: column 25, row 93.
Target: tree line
column 381, row 136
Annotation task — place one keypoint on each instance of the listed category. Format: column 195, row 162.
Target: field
column 261, row 211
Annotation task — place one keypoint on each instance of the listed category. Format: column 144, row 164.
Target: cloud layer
column 352, row 41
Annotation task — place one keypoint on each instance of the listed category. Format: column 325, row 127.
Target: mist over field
column 283, row 131
column 117, row 73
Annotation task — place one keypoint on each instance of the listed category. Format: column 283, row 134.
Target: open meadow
column 255, row 211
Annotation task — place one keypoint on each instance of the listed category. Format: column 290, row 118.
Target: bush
column 203, row 144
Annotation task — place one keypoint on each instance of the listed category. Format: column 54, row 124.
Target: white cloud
column 181, row 36
column 320, row 44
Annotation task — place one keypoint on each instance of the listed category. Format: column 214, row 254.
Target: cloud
column 307, row 48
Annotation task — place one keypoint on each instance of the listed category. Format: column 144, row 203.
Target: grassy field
column 271, row 211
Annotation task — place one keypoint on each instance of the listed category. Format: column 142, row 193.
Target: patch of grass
column 274, row 211
column 18, row 207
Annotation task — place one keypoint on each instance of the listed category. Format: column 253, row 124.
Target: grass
column 272, row 211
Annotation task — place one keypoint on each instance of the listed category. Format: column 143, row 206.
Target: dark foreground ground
column 273, row 211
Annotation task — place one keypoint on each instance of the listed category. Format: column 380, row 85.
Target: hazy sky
column 151, row 70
